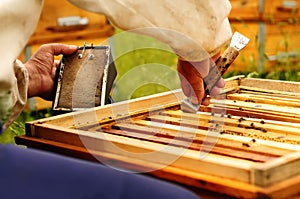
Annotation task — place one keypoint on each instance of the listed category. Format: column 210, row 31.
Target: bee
column 246, row 145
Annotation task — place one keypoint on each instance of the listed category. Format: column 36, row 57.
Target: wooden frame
column 245, row 146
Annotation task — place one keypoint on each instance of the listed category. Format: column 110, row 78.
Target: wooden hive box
column 273, row 27
column 49, row 30
column 246, row 145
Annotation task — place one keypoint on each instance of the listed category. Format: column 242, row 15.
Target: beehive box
column 273, row 27
column 49, row 29
column 245, row 144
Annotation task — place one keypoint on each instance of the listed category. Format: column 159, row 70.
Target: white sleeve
column 13, row 94
column 193, row 29
column 17, row 25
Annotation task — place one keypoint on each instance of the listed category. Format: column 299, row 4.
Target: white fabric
column 195, row 29
column 18, row 21
column 19, row 92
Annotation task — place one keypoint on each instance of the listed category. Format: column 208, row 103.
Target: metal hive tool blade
column 239, row 41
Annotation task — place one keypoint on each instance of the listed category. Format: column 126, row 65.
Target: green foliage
column 145, row 66
column 18, row 126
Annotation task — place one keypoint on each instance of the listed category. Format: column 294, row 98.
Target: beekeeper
column 195, row 30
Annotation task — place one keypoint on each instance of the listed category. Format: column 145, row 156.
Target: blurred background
column 150, row 67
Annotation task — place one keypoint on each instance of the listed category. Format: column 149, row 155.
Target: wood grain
column 247, row 145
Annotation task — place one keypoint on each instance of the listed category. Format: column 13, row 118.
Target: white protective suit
column 194, row 29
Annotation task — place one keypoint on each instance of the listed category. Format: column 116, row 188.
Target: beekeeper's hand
column 191, row 76
column 41, row 69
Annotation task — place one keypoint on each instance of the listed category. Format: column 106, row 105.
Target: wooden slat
column 261, row 107
column 271, row 86
column 195, row 143
column 250, row 11
column 243, row 129
column 148, row 151
column 251, row 113
column 93, row 31
column 236, row 126
column 112, row 112
column 287, row 96
column 260, row 145
column 269, row 91
column 232, row 120
column 265, row 99
column 193, row 121
column 260, row 111
column 194, row 179
column 266, row 174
